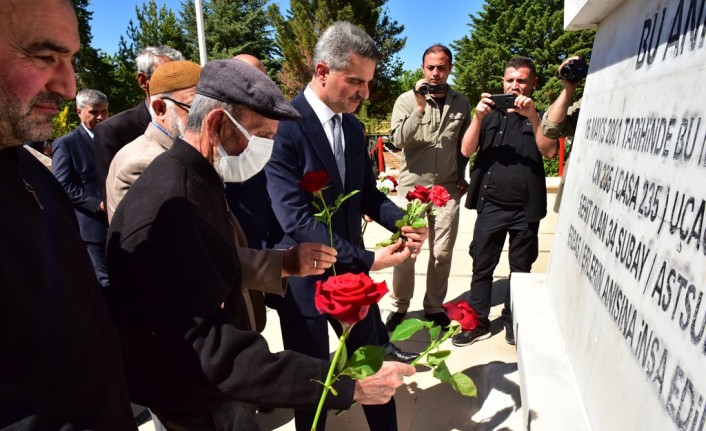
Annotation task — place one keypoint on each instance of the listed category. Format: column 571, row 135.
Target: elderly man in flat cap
column 173, row 86
column 172, row 244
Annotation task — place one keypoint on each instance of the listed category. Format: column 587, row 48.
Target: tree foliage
column 231, row 27
column 155, row 27
column 65, row 120
column 408, row 79
column 298, row 31
column 509, row 28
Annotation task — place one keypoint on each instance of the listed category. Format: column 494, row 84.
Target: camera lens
column 574, row 70
column 423, row 89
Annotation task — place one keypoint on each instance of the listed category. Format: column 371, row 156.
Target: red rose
column 463, row 313
column 347, row 297
column 439, row 196
column 315, row 181
column 419, row 192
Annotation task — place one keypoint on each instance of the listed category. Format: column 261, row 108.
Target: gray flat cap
column 236, row 82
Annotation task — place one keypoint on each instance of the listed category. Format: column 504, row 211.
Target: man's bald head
column 252, row 61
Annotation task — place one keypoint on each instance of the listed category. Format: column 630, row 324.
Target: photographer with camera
column 428, row 123
column 508, row 189
column 561, row 117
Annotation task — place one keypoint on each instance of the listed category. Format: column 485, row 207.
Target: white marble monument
column 626, row 283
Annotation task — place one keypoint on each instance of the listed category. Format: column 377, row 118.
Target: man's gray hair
column 145, row 61
column 201, row 106
column 339, row 42
column 90, row 97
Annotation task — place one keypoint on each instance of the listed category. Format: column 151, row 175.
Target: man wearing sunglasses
column 173, row 87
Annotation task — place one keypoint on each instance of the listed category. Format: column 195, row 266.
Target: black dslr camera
column 574, row 70
column 425, row 89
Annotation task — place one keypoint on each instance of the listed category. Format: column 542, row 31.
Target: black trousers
column 96, row 250
column 493, row 225
column 309, row 336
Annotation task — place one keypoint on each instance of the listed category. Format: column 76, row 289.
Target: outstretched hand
column 415, row 238
column 391, row 255
column 308, row 258
column 380, row 387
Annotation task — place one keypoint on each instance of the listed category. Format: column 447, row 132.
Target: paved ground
column 424, row 403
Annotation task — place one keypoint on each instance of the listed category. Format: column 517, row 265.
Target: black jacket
column 502, row 149
column 60, row 364
column 113, row 134
column 172, row 262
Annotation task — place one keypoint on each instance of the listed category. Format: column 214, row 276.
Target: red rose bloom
column 463, row 313
column 347, row 297
column 419, row 192
column 315, row 181
column 439, row 196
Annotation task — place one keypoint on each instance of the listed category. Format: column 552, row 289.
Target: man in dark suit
column 126, row 126
column 73, row 164
column 344, row 64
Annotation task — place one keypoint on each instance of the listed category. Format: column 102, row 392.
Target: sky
column 424, row 24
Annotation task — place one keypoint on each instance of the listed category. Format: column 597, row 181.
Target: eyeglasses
column 182, row 105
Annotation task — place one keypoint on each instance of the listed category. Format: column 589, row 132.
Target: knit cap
column 174, row 76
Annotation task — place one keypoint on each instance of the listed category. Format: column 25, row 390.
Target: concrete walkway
column 424, row 403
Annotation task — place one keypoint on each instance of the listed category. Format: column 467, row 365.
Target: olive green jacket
column 430, row 143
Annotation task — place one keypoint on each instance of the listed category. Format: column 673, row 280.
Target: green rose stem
column 327, row 215
column 329, row 375
column 432, row 346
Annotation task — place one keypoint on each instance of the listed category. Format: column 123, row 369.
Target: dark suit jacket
column 302, row 147
column 73, row 164
column 113, row 134
column 60, row 361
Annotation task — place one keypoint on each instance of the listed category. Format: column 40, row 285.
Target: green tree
column 155, row 27
column 407, row 80
column 65, row 120
column 231, row 27
column 297, row 33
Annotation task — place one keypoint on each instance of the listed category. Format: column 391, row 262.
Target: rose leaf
column 408, row 328
column 464, row 385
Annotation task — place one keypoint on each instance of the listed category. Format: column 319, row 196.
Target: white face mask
column 237, row 169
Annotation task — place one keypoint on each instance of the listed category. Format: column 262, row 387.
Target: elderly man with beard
column 60, row 361
column 173, row 262
column 173, row 87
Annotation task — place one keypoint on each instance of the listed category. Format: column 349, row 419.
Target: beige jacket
column 131, row 161
column 430, row 143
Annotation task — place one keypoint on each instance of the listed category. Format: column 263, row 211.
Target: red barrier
column 562, row 148
column 381, row 155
